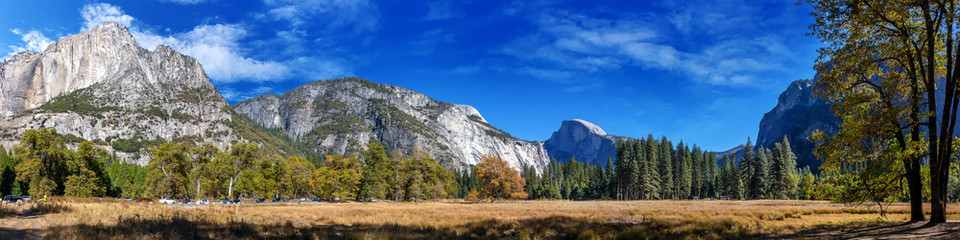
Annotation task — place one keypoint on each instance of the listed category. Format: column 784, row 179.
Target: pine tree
column 666, row 160
column 637, row 173
column 650, row 178
column 748, row 166
column 626, row 170
column 761, row 179
column 696, row 174
column 686, row 173
column 712, row 175
column 611, row 179
column 784, row 173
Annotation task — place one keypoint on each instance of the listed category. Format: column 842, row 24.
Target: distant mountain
column 733, row 152
column 583, row 141
column 100, row 85
column 797, row 114
column 342, row 115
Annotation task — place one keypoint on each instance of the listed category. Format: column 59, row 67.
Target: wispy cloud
column 184, row 2
column 216, row 46
column 94, row 14
column 235, row 95
column 443, row 9
column 580, row 44
column 32, row 41
column 358, row 14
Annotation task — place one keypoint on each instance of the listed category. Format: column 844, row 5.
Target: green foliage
column 275, row 143
column 80, row 101
column 377, row 173
column 491, row 130
column 125, row 145
column 126, row 180
column 784, row 175
column 167, row 172
column 157, row 112
column 43, row 160
column 340, row 178
column 43, row 163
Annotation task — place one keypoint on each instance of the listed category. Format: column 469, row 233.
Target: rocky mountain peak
column 100, row 84
column 797, row 114
column 581, row 128
column 343, row 115
column 581, row 140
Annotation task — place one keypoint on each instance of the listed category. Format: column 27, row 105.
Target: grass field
column 109, row 219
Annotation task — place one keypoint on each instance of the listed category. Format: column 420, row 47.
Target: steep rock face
column 797, row 114
column 583, row 141
column 343, row 115
column 101, row 85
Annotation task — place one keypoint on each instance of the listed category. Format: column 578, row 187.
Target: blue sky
column 701, row 71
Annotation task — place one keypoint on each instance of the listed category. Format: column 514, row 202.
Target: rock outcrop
column 100, row 85
column 343, row 115
column 797, row 114
column 583, row 141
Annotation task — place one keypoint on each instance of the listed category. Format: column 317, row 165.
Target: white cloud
column 577, row 45
column 94, row 14
column 216, row 46
column 443, row 9
column 360, row 14
column 234, row 95
column 32, row 41
column 184, row 2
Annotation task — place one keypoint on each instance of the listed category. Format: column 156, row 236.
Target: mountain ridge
column 101, row 85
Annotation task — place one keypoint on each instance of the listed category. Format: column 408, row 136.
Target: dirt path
column 919, row 230
column 25, row 225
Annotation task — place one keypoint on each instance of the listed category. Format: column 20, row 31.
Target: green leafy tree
column 884, row 64
column 126, row 179
column 167, row 172
column 242, row 156
column 202, row 169
column 297, row 175
column 340, row 178
column 43, row 161
column 378, row 173
column 88, row 176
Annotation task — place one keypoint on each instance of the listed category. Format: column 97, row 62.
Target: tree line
column 42, row 164
column 652, row 169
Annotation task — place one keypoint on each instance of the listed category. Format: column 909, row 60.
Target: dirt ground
column 764, row 219
column 22, row 223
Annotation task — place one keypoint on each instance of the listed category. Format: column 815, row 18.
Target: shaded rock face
column 101, row 85
column 342, row 115
column 797, row 114
column 583, row 141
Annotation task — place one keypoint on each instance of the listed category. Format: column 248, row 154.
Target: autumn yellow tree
column 340, row 178
column 892, row 69
column 497, row 180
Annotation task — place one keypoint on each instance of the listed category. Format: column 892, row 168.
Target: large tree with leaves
column 892, row 66
column 497, row 180
column 43, row 161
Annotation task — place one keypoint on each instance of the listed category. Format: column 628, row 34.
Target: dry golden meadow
column 110, row 219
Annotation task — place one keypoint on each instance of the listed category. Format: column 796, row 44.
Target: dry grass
column 107, row 219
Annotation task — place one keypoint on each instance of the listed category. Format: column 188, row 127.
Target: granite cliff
column 100, row 85
column 342, row 115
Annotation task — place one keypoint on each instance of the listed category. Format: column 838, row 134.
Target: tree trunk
column 915, row 185
column 230, row 188
column 937, row 193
